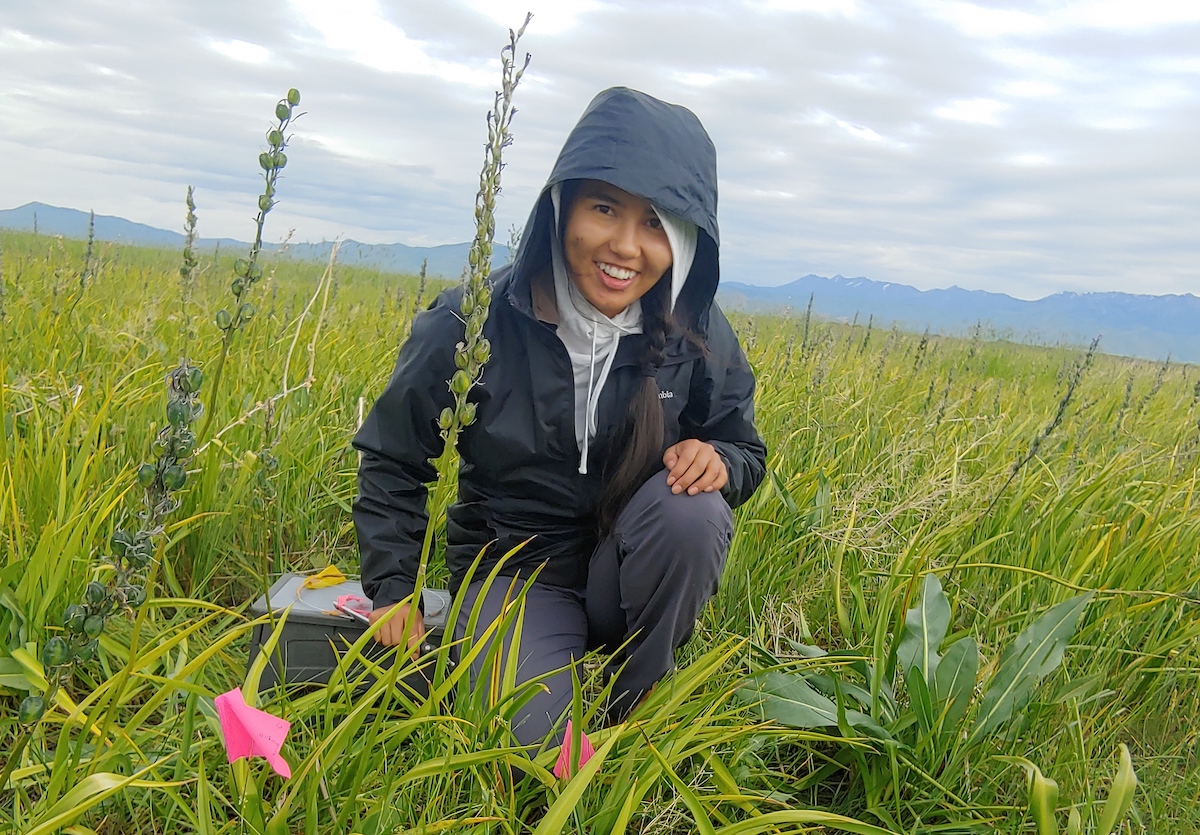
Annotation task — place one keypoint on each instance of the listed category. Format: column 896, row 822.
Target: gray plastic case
column 316, row 632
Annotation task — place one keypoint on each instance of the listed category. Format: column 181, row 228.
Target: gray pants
column 647, row 583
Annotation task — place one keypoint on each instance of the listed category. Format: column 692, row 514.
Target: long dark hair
column 627, row 465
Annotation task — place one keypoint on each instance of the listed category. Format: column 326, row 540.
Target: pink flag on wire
column 565, row 767
column 250, row 732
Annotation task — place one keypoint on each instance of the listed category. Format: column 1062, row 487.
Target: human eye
column 654, row 222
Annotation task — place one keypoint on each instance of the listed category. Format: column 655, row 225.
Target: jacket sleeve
column 399, row 440
column 720, row 410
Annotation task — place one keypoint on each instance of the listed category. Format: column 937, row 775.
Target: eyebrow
column 605, row 195
column 600, row 193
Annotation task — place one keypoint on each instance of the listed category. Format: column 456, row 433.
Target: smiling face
column 615, row 246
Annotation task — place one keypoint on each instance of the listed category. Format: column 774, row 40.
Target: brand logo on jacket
column 665, row 395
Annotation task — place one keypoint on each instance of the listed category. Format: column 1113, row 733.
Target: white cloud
column 359, row 28
column 550, row 17
column 1118, row 123
column 243, row 51
column 1031, row 160
column 1114, row 15
column 980, row 22
column 707, row 79
column 1123, row 15
column 827, row 8
column 975, row 111
column 16, row 39
column 1030, row 89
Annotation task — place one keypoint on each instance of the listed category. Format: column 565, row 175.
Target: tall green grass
column 891, row 457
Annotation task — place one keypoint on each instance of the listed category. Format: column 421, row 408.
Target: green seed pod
column 178, row 412
column 31, row 710
column 283, row 111
column 162, row 442
column 93, row 626
column 264, row 203
column 279, row 159
column 264, row 161
column 95, row 593
column 73, row 618
column 237, row 286
column 446, row 419
column 145, row 476
column 195, row 378
column 485, row 295
column 293, row 97
column 174, row 477
column 139, row 557
column 87, row 651
column 240, row 267
column 460, row 357
column 246, row 312
column 269, row 462
column 468, row 414
column 135, row 596
column 224, row 320
column 460, row 383
column 57, row 652
column 274, row 138
column 482, row 352
column 121, row 541
column 254, row 272
column 184, row 444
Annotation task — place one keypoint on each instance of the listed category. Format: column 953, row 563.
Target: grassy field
column 1052, row 494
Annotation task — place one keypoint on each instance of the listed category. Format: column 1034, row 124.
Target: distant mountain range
column 1153, row 327
column 445, row 261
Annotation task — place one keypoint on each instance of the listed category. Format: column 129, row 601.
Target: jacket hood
column 650, row 148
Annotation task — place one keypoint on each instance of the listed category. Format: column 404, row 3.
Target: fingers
column 695, row 466
column 392, row 632
column 678, row 459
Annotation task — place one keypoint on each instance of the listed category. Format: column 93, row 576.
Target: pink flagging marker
column 564, row 767
column 250, row 732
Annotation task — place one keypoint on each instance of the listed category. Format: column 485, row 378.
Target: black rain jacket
column 518, row 476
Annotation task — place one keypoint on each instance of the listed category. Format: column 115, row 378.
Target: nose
column 625, row 242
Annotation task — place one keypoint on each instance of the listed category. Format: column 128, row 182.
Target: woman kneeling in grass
column 615, row 419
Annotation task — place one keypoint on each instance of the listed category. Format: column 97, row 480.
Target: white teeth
column 616, row 272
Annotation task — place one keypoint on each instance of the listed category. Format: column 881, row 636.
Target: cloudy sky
column 1022, row 147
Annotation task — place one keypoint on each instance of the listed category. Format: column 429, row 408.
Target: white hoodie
column 591, row 338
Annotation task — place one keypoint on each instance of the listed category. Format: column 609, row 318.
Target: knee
column 685, row 527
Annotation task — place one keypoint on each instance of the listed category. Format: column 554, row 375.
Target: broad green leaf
column 1043, row 802
column 1033, row 655
column 791, row 700
column 955, row 681
column 88, row 793
column 924, row 630
column 1120, row 796
column 920, row 699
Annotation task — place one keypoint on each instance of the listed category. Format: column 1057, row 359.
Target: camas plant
column 473, row 353
column 125, row 570
column 247, row 271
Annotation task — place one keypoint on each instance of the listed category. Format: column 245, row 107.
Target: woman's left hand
column 695, row 466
